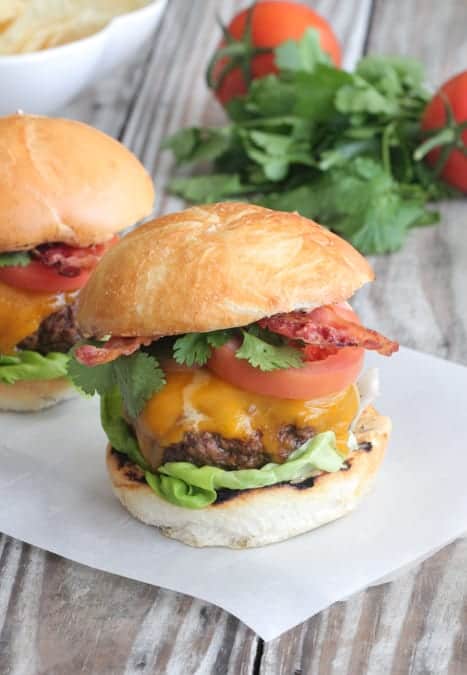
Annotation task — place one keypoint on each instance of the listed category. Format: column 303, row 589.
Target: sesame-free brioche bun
column 217, row 266
column 64, row 181
column 247, row 518
column 31, row 395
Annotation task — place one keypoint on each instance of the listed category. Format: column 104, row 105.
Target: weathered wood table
column 57, row 617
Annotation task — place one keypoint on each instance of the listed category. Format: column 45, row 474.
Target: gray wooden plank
column 417, row 623
column 412, row 625
column 67, row 618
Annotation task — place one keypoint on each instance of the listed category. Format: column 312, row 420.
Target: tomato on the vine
column 446, row 117
column 251, row 37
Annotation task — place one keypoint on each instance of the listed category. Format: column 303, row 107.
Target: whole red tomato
column 252, row 36
column 447, row 112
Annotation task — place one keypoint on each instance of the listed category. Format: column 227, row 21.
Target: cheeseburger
column 65, row 190
column 227, row 359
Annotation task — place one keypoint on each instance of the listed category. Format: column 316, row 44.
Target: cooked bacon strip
column 69, row 260
column 325, row 328
column 89, row 355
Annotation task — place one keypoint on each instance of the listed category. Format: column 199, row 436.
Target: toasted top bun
column 63, row 181
column 217, row 266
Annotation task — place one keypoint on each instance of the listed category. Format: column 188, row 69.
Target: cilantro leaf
column 394, row 76
column 267, row 357
column 361, row 96
column 194, row 349
column 217, row 338
column 202, row 189
column 316, row 95
column 90, row 381
column 268, row 97
column 137, row 376
column 190, row 145
column 276, row 152
column 265, row 335
column 303, row 54
column 15, row 259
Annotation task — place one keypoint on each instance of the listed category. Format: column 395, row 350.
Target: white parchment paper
column 55, row 494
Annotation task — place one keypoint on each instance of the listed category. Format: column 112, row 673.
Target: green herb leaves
column 361, row 202
column 137, row 376
column 266, row 357
column 262, row 349
column 338, row 147
column 302, row 55
column 15, row 259
column 194, row 349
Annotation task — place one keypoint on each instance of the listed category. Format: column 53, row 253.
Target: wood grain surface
column 57, row 617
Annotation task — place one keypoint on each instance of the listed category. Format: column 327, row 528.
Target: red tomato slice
column 313, row 380
column 43, row 279
column 38, row 277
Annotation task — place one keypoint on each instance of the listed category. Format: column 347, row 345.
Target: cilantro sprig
column 137, row 376
column 338, row 147
column 267, row 357
column 261, row 348
column 15, row 259
column 194, row 349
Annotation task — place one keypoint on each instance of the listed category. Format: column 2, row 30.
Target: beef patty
column 57, row 332
column 205, row 448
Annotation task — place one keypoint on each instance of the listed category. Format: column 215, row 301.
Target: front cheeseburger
column 226, row 357
column 65, row 190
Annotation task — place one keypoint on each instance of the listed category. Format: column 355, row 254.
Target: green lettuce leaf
column 117, row 429
column 15, row 259
column 189, row 486
column 29, row 365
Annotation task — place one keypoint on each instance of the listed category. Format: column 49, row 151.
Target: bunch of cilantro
column 335, row 146
column 139, row 376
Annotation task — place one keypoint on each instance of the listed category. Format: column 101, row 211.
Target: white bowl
column 42, row 81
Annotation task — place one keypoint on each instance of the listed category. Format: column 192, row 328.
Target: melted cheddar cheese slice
column 21, row 313
column 200, row 401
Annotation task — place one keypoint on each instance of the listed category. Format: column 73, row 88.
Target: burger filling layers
column 38, row 290
column 233, row 409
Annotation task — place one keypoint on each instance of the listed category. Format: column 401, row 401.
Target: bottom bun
column 259, row 516
column 30, row 395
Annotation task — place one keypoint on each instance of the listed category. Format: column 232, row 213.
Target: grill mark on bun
column 225, row 495
column 131, row 470
column 366, row 446
column 134, row 473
